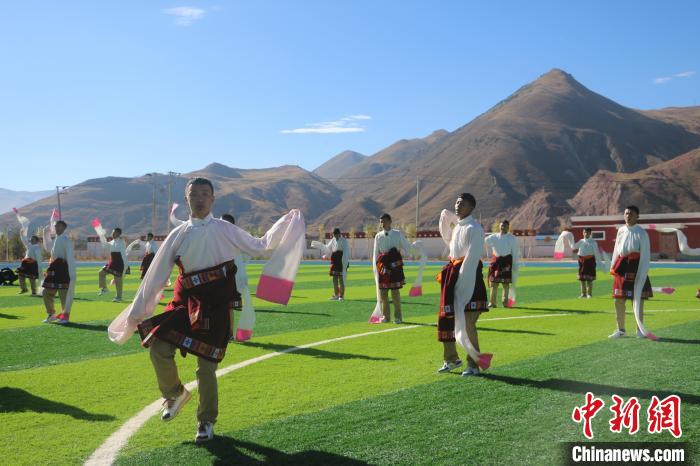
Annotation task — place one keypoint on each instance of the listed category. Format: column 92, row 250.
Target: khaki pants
column 338, row 285
column 50, row 294
column 494, row 293
column 450, row 348
column 396, row 298
column 23, row 283
column 163, row 359
column 586, row 287
column 118, row 283
column 620, row 313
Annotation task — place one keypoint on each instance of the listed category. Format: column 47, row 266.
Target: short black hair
column 336, row 231
column 506, row 222
column 229, row 218
column 118, row 230
column 62, row 223
column 633, row 208
column 469, row 198
column 199, row 181
column 385, row 216
column 588, row 229
column 149, row 234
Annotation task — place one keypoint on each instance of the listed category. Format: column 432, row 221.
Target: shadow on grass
column 313, row 352
column 555, row 309
column 503, row 330
column 16, row 400
column 8, row 316
column 403, row 301
column 272, row 311
column 227, row 450
column 93, row 327
column 679, row 340
column 575, row 386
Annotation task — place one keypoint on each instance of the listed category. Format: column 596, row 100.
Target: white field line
column 107, row 452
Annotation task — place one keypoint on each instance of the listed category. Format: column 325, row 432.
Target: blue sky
column 122, row 88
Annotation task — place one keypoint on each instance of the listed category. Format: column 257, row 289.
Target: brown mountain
column 255, row 197
column 687, row 117
column 339, row 165
column 543, row 142
column 672, row 186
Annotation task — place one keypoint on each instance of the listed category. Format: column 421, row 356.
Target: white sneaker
column 448, row 366
column 62, row 321
column 205, row 432
column 398, row 321
column 617, row 334
column 171, row 407
column 640, row 334
column 116, row 300
column 50, row 318
column 581, row 296
column 333, row 298
column 102, row 291
column 341, row 299
column 471, row 371
column 588, row 296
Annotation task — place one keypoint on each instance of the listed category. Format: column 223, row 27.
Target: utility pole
column 153, row 214
column 417, row 202
column 59, row 191
column 171, row 180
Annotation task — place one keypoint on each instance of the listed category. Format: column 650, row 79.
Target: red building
column 663, row 245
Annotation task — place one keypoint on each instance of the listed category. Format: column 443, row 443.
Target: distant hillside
column 10, row 199
column 255, row 197
column 339, row 165
column 672, row 186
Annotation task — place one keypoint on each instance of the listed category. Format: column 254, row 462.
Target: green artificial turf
column 66, row 389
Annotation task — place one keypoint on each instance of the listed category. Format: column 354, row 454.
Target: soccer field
column 371, row 399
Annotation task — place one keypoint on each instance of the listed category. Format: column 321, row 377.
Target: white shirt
column 33, row 252
column 586, row 247
column 151, row 247
column 385, row 240
column 338, row 245
column 503, row 245
column 200, row 244
column 62, row 248
column 630, row 239
column 118, row 245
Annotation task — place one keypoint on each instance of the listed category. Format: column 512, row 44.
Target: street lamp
column 60, row 190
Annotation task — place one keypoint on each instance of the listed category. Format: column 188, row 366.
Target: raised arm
column 448, row 220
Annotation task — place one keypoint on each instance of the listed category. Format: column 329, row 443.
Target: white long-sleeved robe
column 203, row 243
column 629, row 240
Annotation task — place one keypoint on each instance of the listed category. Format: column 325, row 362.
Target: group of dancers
column 210, row 254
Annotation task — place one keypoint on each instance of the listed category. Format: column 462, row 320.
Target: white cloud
column 685, row 74
column 185, row 15
column 346, row 124
column 665, row 79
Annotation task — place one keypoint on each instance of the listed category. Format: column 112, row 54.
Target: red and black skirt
column 624, row 271
column 448, row 279
column 198, row 319
column 115, row 266
column 336, row 263
column 586, row 268
column 56, row 276
column 146, row 263
column 501, row 269
column 29, row 268
column 390, row 270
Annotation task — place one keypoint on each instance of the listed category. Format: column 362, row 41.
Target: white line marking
column 107, row 452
